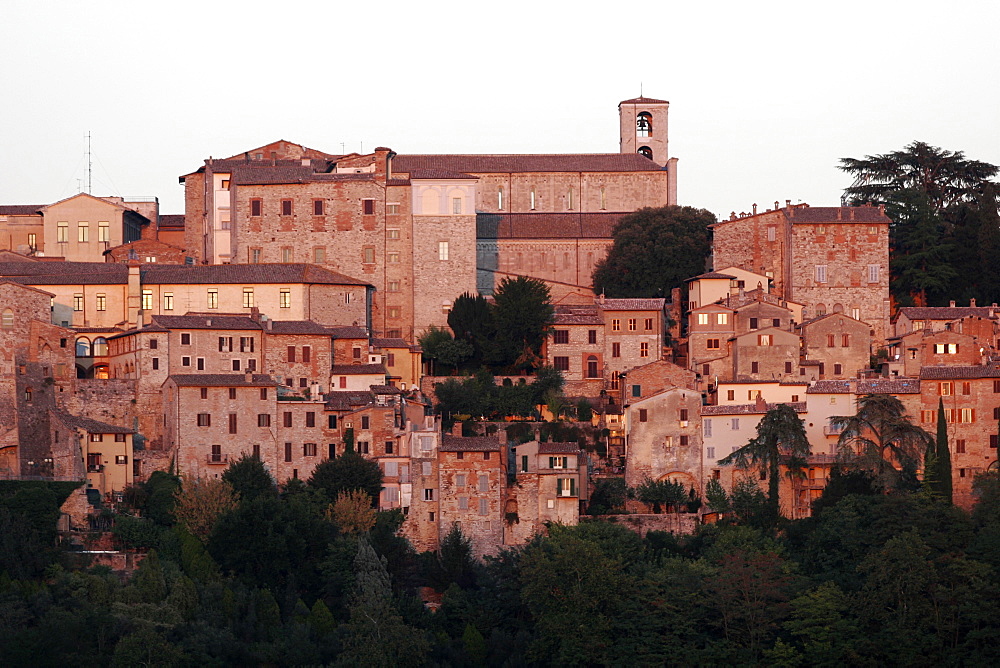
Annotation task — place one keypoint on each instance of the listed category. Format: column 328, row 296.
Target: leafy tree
column 249, row 478
column 200, row 502
column 471, row 322
column 939, row 202
column 353, row 512
column 823, row 622
column 522, row 316
column 879, row 437
column 348, row 472
column 937, row 461
column 159, row 497
column 654, row 251
column 781, row 439
column 661, row 493
column 608, row 496
column 376, row 633
column 441, row 349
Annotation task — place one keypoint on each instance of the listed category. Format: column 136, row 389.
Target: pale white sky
column 765, row 96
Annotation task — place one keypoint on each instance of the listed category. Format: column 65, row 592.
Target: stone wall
column 683, row 524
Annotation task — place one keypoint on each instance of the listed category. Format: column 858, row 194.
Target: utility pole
column 90, row 164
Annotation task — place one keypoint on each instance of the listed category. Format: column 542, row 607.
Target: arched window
column 500, row 198
column 569, row 199
column 820, row 310
column 646, row 151
column 838, row 308
column 592, row 367
column 644, row 124
column 7, row 320
column 100, row 347
column 532, row 199
column 101, row 372
column 83, row 347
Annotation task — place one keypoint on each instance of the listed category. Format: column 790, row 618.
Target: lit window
column 763, row 339
column 147, row 300
column 532, row 199
column 213, row 298
column 103, row 231
column 168, row 301
column 33, row 241
column 102, row 301
column 702, row 318
column 247, row 297
column 722, row 318
column 62, row 231
column 392, row 257
column 643, row 349
column 649, row 324
column 83, row 232
column 285, row 299
column 442, row 250
column 500, row 198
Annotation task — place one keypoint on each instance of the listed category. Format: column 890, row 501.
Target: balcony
column 218, row 459
column 830, row 430
column 95, row 468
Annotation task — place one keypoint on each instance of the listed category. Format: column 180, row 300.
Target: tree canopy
column 945, row 231
column 654, row 251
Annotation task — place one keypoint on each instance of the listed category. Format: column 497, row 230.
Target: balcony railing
column 216, row 458
column 95, row 468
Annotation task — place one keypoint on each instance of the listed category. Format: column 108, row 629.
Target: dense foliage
column 654, row 251
column 945, row 231
column 870, row 579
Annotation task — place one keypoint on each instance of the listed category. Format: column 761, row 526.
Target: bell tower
column 643, row 123
column 644, row 128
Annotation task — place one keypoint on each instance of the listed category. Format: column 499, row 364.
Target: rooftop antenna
column 90, row 164
column 640, row 89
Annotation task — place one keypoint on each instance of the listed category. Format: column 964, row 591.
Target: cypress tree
column 942, row 458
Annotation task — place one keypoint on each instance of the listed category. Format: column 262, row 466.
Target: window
column 317, row 207
column 649, row 324
column 637, row 390
column 944, row 389
column 232, row 392
column 967, row 415
column 308, row 449
column 631, row 324
column 591, row 337
column 156, row 364
column 592, row 371
column 703, row 319
column 484, row 507
column 966, row 385
column 643, row 349
column 62, row 231
column 147, row 300
column 707, row 428
column 788, row 369
column 232, row 423
column 286, row 207
column 392, row 233
column 560, row 336
column 247, row 297
column 713, row 344
column 204, row 420
column 643, row 415
column 873, row 273
column 392, row 208
column 734, row 424
column 722, row 318
column 287, row 254
column 442, row 250
column 753, row 323
column 731, row 395
column 763, row 339
column 821, row 273
column 683, row 440
column 185, row 361
column 103, row 231
column 710, row 452
column 616, row 349
column 960, row 446
column 770, row 233
column 838, row 369
column 368, row 207
column 255, row 255
column 168, row 301
column 369, row 255
column 532, row 198
column 754, row 367
column 561, row 363
column 393, row 286
column 616, row 325
column 565, row 487
column 429, row 496
column 456, row 205
column 484, row 481
column 255, row 207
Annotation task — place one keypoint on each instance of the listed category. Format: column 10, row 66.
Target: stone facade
column 841, row 344
column 472, row 479
column 664, row 439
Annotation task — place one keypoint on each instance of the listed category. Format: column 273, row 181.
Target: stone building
column 470, row 490
column 832, row 259
column 841, row 345
column 552, row 485
column 915, row 318
column 664, row 439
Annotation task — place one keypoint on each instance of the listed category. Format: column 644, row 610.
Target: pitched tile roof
column 558, row 448
column 20, row 209
column 949, row 372
column 171, row 220
column 297, row 327
column 888, row 386
column 386, row 389
column 494, row 164
column 451, row 443
column 418, row 174
column 748, row 409
column 642, row 100
column 390, row 343
column 348, row 400
column 222, row 380
column 836, row 214
column 90, row 425
column 830, row 387
column 348, row 332
column 567, row 225
column 631, row 304
column 711, row 274
column 63, row 273
column 947, row 312
column 357, row 369
column 572, row 314
column 205, row 322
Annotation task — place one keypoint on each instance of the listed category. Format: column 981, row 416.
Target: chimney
column 382, row 157
column 951, row 304
column 456, row 429
column 760, row 405
column 755, row 208
column 255, row 314
column 788, row 203
column 777, row 205
column 134, row 299
column 972, row 302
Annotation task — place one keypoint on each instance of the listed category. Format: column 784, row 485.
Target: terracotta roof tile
column 427, row 174
column 245, row 273
column 711, row 274
column 632, row 304
column 90, row 425
column 171, row 220
column 642, row 100
column 386, row 389
column 348, row 332
column 390, row 343
column 20, row 209
column 357, row 369
column 62, row 273
column 836, row 214
column 830, row 387
column 747, row 409
column 205, row 322
column 222, row 380
column 949, row 372
column 346, row 401
column 494, row 164
column 558, row 448
column 947, row 312
column 451, row 443
column 297, row 327
column 888, row 386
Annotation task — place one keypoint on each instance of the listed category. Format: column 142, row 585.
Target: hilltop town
column 279, row 316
